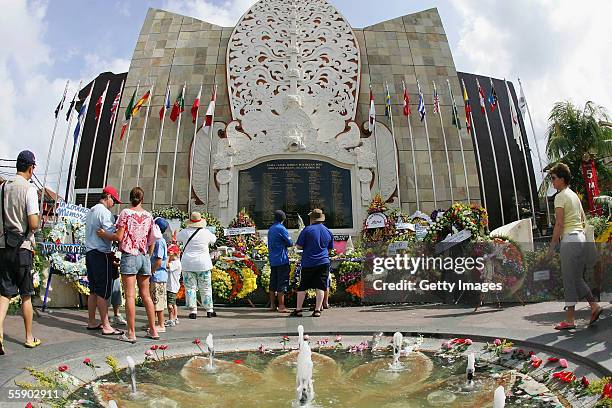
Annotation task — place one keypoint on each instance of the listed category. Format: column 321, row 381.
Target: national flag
column 60, row 105
column 195, row 107
column 72, row 103
column 178, row 107
column 99, row 104
column 456, row 121
column 493, row 98
column 165, row 106
column 421, row 107
column 522, row 103
column 81, row 118
column 468, row 109
column 387, row 102
column 144, row 98
column 481, row 97
column 516, row 127
column 130, row 107
column 372, row 113
column 436, row 100
column 115, row 107
column 210, row 112
column 406, row 101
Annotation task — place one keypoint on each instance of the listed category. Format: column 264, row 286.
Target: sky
column 561, row 50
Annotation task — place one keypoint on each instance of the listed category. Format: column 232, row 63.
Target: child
column 159, row 275
column 174, row 283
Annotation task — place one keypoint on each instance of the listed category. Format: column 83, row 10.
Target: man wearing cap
column 19, row 216
column 316, row 241
column 278, row 242
column 98, row 260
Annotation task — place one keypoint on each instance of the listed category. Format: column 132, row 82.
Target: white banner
column 239, row 231
column 72, row 211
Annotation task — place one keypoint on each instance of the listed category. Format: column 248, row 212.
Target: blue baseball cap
column 162, row 224
column 26, row 157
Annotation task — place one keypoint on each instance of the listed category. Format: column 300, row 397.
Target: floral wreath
column 233, row 279
column 71, row 266
column 248, row 242
column 460, row 216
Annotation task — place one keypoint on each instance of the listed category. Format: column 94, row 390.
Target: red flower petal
column 238, row 361
column 62, row 368
column 553, row 359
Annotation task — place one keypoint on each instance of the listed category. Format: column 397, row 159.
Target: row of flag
column 491, row 99
column 134, row 106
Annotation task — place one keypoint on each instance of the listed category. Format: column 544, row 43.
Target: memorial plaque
column 296, row 187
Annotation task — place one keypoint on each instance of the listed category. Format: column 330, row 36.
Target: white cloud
column 225, row 14
column 560, row 50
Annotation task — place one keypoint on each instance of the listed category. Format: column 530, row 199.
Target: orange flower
column 356, row 289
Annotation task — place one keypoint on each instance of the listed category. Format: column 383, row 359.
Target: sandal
column 33, row 344
column 113, row 333
column 1, row 347
column 98, row 327
column 316, row 313
column 296, row 313
column 149, row 336
column 565, row 326
column 125, row 338
column 595, row 315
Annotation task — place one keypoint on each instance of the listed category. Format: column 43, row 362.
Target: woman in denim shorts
column 133, row 229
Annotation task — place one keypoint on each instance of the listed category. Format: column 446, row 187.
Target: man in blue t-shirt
column 278, row 242
column 316, row 241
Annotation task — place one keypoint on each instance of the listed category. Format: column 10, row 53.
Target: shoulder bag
column 13, row 239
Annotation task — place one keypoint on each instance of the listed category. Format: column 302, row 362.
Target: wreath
column 71, row 266
column 378, row 235
column 233, row 279
column 408, row 235
column 459, row 217
column 248, row 243
column 508, row 265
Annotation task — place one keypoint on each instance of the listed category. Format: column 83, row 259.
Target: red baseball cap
column 112, row 191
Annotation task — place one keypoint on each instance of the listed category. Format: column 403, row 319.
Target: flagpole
column 473, row 131
column 210, row 141
column 193, row 144
column 144, row 130
column 159, row 140
column 522, row 147
column 535, row 140
column 450, row 175
column 77, row 147
column 456, row 115
column 433, row 181
column 501, row 119
column 399, row 197
column 501, row 203
column 416, row 182
column 93, row 147
column 44, row 190
column 125, row 146
column 112, row 134
column 178, row 128
column 70, row 116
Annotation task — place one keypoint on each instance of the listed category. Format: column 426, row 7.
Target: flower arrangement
column 71, row 266
column 244, row 243
column 383, row 234
column 170, row 213
column 221, row 283
column 264, row 277
column 396, row 216
column 377, row 205
column 460, row 216
column 233, row 279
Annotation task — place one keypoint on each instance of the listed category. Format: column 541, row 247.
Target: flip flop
column 125, row 338
column 113, row 333
column 33, row 344
column 149, row 336
column 296, row 313
column 316, row 313
column 565, row 326
column 1, row 347
column 595, row 316
column 98, row 327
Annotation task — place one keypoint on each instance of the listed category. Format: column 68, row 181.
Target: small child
column 174, row 283
column 159, row 275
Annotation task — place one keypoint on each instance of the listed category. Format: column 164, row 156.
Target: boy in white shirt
column 174, row 283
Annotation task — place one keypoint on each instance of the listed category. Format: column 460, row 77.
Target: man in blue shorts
column 278, row 242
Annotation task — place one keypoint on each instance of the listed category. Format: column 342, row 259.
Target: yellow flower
column 249, row 282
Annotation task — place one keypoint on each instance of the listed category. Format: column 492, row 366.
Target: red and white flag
column 196, row 106
column 406, row 101
column 372, row 114
column 115, row 107
column 99, row 106
column 481, row 98
column 210, row 112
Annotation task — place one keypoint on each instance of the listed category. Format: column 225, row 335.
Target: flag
column 178, row 107
column 165, row 106
column 493, row 98
column 522, row 103
column 130, row 107
column 456, row 121
column 436, row 100
column 99, row 104
column 141, row 102
column 60, row 105
column 387, row 102
column 372, row 113
column 421, row 107
column 516, row 127
column 468, row 109
column 210, row 112
column 196, row 106
column 115, row 107
column 481, row 97
column 406, row 102
column 71, row 105
column 81, row 118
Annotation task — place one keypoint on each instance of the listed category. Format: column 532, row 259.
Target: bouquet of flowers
column 459, row 217
column 233, row 279
column 248, row 242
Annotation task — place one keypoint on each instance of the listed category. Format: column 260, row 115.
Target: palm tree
column 574, row 135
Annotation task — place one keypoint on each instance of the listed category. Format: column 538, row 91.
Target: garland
column 248, row 242
column 459, row 217
column 233, row 279
column 383, row 234
column 71, row 266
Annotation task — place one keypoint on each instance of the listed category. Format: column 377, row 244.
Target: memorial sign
column 72, row 211
column 376, row 220
column 296, row 187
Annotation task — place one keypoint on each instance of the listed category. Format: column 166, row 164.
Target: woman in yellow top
column 569, row 230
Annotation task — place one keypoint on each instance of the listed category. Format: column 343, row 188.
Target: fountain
column 499, row 398
column 304, row 390
column 471, row 359
column 211, row 352
column 398, row 341
column 375, row 340
column 132, row 370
